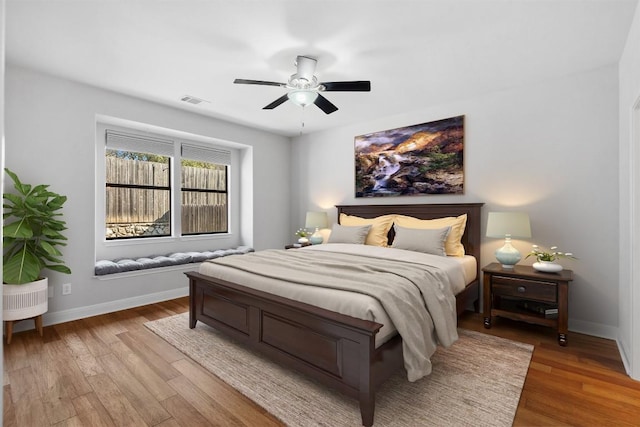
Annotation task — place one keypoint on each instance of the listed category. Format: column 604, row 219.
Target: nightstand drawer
column 522, row 288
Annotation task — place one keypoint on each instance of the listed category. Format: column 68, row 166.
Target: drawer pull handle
column 522, row 289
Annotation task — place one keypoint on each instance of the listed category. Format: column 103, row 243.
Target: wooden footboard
column 332, row 348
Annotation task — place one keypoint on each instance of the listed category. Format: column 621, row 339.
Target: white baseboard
column 54, row 318
column 595, row 329
column 624, row 357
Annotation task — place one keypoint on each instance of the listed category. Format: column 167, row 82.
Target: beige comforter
column 417, row 298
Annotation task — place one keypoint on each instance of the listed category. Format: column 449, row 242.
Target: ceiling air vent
column 193, row 100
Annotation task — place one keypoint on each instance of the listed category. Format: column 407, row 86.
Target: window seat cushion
column 103, row 267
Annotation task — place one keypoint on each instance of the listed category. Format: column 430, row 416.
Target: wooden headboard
column 470, row 239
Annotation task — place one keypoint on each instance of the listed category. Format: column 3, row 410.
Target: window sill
column 167, row 239
column 155, row 270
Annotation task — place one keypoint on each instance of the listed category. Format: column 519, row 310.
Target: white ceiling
column 416, row 53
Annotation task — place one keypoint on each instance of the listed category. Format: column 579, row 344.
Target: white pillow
column 349, row 234
column 428, row 240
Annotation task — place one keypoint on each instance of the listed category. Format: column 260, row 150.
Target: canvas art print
column 411, row 161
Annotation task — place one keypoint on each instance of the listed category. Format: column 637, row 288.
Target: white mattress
column 460, row 270
column 470, row 266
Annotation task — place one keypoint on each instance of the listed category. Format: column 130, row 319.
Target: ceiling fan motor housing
column 304, row 78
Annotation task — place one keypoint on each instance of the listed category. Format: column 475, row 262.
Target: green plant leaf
column 22, row 188
column 59, row 268
column 52, row 234
column 51, row 260
column 49, row 249
column 40, row 190
column 15, row 200
column 52, row 229
column 57, row 202
column 22, row 267
column 18, row 229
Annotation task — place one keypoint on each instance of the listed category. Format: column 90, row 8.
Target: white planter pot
column 547, row 267
column 25, row 301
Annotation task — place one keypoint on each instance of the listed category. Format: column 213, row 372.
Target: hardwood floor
column 583, row 384
column 110, row 371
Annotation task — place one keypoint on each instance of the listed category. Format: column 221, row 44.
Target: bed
column 338, row 350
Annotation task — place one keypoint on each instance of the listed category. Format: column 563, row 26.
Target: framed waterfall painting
column 411, row 161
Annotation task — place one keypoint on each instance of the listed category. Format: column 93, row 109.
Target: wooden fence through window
column 201, row 212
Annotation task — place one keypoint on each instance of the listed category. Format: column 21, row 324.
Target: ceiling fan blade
column 325, row 105
column 258, row 82
column 275, row 103
column 355, row 86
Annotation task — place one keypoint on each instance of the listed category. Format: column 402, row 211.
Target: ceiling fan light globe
column 302, row 97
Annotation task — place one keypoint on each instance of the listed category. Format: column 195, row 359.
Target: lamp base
column 507, row 255
column 507, row 266
column 316, row 238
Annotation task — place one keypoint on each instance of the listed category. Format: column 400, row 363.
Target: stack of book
column 547, row 310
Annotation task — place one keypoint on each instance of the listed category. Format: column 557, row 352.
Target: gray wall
column 50, row 138
column 549, row 149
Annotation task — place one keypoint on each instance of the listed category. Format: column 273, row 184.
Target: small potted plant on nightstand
column 32, row 231
column 546, row 261
column 303, row 236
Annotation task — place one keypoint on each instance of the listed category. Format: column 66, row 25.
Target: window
column 138, row 194
column 204, row 190
column 140, row 189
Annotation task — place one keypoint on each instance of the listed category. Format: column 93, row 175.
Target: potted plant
column 546, row 261
column 303, row 235
column 32, row 232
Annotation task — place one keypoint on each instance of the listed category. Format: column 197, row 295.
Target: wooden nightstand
column 525, row 294
column 297, row 245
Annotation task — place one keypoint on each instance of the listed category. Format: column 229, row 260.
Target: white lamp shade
column 316, row 220
column 513, row 224
column 302, row 97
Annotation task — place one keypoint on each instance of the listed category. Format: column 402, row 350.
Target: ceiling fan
column 304, row 88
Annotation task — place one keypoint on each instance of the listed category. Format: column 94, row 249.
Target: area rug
column 475, row 382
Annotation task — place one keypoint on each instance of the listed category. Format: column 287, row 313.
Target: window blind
column 139, row 143
column 217, row 155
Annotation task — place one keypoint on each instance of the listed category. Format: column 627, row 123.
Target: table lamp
column 316, row 220
column 507, row 225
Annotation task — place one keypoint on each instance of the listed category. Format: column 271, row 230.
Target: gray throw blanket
column 417, row 298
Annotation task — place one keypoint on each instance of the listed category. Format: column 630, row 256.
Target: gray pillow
column 430, row 241
column 103, row 267
column 128, row 265
column 349, row 234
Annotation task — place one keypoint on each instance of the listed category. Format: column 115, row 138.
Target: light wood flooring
column 110, row 370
